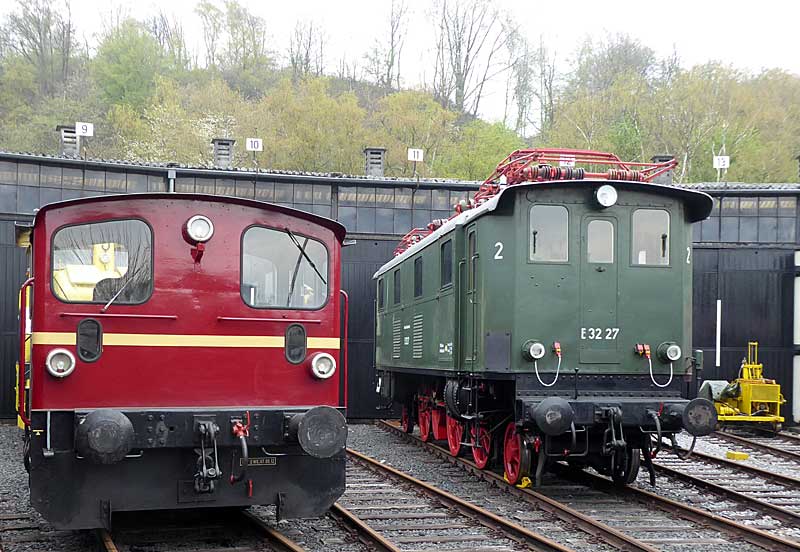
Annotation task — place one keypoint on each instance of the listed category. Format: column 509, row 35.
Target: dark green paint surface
column 598, row 312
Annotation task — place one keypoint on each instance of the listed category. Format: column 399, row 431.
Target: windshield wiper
column 302, row 249
column 117, row 294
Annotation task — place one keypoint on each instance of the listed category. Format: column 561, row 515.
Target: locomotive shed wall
column 743, row 254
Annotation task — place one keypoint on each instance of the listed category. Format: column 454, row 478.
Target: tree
column 468, row 40
column 600, row 64
column 412, row 119
column 477, row 150
column 45, row 38
column 213, row 20
column 127, row 63
column 170, row 37
column 247, row 64
column 383, row 60
column 306, row 47
column 309, row 129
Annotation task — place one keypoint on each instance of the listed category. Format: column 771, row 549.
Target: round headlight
column 200, row 228
column 323, row 365
column 673, row 352
column 533, row 350
column 537, row 350
column 60, row 363
column 606, row 195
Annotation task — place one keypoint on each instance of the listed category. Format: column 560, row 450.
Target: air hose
column 552, row 383
column 653, row 379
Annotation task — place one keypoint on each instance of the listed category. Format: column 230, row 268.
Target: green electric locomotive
column 550, row 318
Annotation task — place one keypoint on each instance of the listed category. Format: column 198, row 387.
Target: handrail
column 23, row 323
column 344, row 339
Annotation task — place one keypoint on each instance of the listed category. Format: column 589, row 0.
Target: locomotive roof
column 699, row 207
column 338, row 230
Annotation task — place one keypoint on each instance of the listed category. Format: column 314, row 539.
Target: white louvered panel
column 397, row 337
column 417, row 336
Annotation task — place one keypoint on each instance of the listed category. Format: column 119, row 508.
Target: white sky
column 748, row 36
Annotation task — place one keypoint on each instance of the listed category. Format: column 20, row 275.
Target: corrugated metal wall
column 12, row 274
column 359, row 264
column 756, row 287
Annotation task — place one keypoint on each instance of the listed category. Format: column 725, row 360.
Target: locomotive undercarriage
column 103, row 461
column 527, row 431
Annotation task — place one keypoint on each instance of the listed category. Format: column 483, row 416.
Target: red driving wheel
column 481, row 445
column 424, row 420
column 405, row 420
column 439, row 423
column 516, row 456
column 455, row 432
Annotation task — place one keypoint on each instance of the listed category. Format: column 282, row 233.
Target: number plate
column 259, row 461
column 599, row 334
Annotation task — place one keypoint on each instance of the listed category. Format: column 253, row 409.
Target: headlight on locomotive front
column 533, row 350
column 60, row 363
column 606, row 195
column 199, row 229
column 669, row 352
column 323, row 366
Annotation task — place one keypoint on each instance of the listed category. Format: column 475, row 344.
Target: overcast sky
column 748, row 36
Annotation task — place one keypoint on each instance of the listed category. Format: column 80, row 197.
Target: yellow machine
column 750, row 398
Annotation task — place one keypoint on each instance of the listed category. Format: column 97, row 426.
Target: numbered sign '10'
column 254, row 144
column 84, row 129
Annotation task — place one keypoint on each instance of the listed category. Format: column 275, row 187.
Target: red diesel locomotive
column 185, row 352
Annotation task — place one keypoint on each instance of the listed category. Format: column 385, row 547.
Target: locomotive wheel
column 455, row 432
column 439, row 423
column 624, row 471
column 481, row 445
column 424, row 420
column 516, row 455
column 406, row 421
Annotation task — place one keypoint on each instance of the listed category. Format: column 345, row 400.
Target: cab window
column 549, row 234
column 650, row 242
column 600, row 241
column 283, row 270
column 103, row 261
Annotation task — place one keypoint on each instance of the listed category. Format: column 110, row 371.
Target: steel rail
column 366, row 533
column 778, row 512
column 738, row 466
column 487, row 518
column 760, row 446
column 750, row 534
column 593, row 527
column 270, row 533
column 105, row 539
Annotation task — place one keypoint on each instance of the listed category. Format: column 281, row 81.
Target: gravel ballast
column 22, row 529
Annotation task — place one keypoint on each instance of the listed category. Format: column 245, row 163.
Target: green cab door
column 599, row 328
column 470, row 303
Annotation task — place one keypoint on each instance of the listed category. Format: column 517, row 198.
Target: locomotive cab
column 185, row 353
column 562, row 330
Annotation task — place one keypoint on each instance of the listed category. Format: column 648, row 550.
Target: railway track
column 770, row 493
column 397, row 512
column 781, row 446
column 642, row 519
column 239, row 531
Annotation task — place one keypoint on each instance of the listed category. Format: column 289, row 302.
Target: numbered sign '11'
column 84, row 129
column 254, row 144
column 415, row 154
